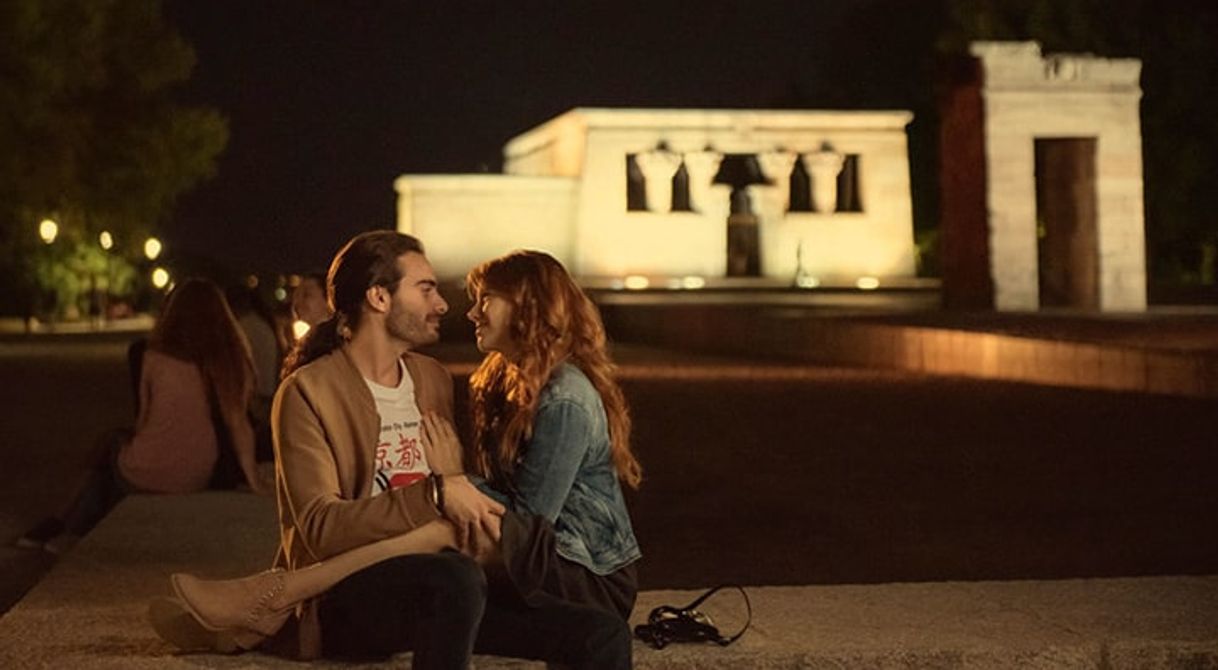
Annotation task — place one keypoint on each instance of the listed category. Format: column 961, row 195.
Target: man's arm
column 467, row 507
column 327, row 521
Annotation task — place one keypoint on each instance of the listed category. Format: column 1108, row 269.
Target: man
column 351, row 472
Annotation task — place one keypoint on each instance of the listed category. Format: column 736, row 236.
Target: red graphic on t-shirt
column 405, row 479
column 408, row 452
column 402, row 464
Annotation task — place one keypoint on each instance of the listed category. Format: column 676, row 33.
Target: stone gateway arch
column 1041, row 181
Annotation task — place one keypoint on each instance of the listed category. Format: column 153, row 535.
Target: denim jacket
column 566, row 475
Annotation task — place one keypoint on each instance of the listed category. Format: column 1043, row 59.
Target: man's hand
column 440, row 445
column 470, row 510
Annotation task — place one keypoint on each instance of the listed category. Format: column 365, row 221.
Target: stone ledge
column 89, row 611
column 1103, row 365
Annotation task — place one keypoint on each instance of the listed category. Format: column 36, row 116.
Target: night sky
column 329, row 102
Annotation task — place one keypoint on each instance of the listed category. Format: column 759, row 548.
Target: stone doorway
column 743, row 237
column 1066, row 215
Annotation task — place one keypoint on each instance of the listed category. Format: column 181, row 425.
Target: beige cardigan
column 325, row 428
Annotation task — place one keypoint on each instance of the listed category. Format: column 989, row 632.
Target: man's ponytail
column 319, row 341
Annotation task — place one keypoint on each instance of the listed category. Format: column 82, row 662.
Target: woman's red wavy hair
column 552, row 321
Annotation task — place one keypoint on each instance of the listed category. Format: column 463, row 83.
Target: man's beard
column 406, row 327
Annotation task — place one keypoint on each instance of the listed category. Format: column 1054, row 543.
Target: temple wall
column 466, row 219
column 566, row 190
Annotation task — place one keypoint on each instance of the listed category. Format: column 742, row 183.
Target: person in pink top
column 192, row 431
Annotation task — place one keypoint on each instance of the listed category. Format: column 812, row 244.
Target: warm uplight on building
column 299, row 329
column 867, row 283
column 693, row 282
column 160, row 277
column 152, row 248
column 807, row 282
column 636, row 282
column 106, row 240
column 48, row 230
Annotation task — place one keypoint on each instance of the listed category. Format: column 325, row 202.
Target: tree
column 90, row 134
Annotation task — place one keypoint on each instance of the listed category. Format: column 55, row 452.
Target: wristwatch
column 437, row 492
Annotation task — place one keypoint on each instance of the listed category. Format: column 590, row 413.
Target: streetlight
column 152, row 248
column 160, row 277
column 48, row 230
column 100, row 294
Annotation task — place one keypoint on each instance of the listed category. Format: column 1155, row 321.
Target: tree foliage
column 91, row 135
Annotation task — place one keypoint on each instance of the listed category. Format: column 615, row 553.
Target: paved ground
column 89, row 612
column 56, row 394
column 766, row 473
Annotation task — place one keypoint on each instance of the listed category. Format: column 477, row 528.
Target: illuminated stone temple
column 792, row 197
column 1042, row 181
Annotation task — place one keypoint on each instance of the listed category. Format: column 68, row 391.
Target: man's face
column 416, row 306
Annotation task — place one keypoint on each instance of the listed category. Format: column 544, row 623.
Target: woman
column 551, row 433
column 196, row 374
column 551, row 440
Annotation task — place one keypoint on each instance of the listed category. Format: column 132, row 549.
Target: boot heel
column 173, row 622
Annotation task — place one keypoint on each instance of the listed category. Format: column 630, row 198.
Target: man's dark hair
column 369, row 259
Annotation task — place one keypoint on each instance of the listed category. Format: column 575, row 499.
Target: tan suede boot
column 174, row 622
column 255, row 604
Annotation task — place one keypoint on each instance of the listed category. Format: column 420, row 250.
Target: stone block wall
column 1015, row 97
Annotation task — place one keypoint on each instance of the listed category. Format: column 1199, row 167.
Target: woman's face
column 492, row 317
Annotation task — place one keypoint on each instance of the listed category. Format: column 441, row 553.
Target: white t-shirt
column 399, row 449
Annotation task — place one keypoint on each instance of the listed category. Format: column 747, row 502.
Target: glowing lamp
column 48, row 230
column 160, row 277
column 636, row 282
column 867, row 283
column 152, row 248
column 106, row 240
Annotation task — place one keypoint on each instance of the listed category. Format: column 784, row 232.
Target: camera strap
column 667, row 624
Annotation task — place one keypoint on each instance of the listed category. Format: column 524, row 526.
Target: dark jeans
column 436, row 605
column 103, row 487
column 556, row 631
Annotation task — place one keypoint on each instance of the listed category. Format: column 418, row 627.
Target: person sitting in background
column 310, row 305
column 258, row 324
column 196, row 379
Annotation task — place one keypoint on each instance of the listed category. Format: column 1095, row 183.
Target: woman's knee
column 459, row 580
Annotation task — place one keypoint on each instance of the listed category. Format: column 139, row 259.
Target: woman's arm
column 141, row 419
column 562, row 435
column 242, row 434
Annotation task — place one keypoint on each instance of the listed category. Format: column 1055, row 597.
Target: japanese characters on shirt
column 399, row 449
